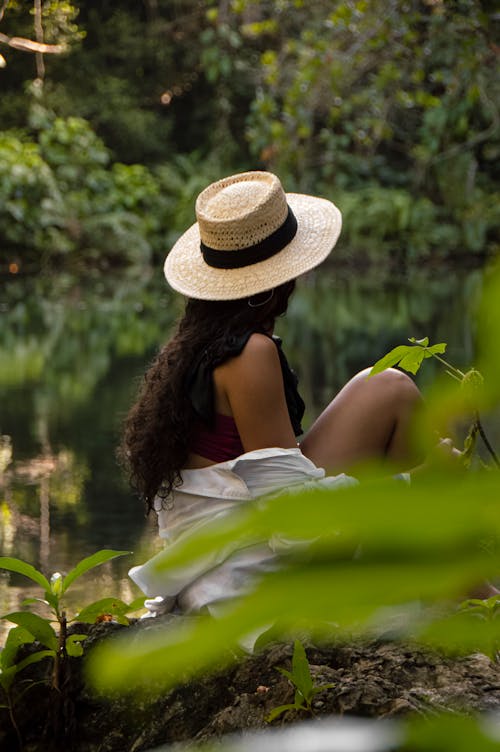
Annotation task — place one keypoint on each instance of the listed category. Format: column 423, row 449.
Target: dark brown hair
column 157, row 431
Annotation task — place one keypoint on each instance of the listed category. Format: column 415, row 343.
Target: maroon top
column 218, row 443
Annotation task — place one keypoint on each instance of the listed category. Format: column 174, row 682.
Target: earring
column 263, row 302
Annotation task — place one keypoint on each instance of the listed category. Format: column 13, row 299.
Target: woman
column 218, row 416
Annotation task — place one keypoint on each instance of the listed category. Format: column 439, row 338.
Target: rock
column 373, row 679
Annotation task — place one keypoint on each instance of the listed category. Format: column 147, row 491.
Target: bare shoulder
column 257, row 368
column 259, row 346
column 260, row 353
column 257, row 340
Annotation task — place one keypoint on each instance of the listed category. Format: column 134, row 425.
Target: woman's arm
column 251, row 386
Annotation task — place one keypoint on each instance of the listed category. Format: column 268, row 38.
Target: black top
column 200, row 385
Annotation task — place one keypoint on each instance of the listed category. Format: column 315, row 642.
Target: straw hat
column 250, row 236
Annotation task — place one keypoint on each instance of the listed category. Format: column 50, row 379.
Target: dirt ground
column 376, row 679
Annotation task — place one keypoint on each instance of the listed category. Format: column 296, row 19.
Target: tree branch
column 28, row 45
column 3, row 8
column 38, row 26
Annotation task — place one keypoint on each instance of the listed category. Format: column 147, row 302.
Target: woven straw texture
column 242, row 210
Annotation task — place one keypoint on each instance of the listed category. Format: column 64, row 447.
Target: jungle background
column 389, row 108
column 114, row 116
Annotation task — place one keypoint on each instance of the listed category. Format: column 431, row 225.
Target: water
column 72, row 351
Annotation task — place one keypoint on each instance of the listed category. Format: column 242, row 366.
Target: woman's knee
column 362, row 420
column 391, row 381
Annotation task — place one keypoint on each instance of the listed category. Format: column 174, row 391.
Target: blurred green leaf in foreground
column 373, row 547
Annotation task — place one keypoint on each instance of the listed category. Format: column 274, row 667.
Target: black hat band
column 260, row 251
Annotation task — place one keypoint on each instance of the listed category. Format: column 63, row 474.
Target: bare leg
column 369, row 419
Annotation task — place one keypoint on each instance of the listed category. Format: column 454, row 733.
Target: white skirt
column 211, row 493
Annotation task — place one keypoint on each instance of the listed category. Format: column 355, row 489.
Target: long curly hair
column 157, row 430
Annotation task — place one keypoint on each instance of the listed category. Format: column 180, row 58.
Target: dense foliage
column 391, row 109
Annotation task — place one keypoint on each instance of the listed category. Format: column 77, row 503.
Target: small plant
column 487, row 611
column 9, row 668
column 300, row 677
column 31, row 627
column 410, row 358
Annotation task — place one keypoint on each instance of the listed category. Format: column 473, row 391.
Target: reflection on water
column 70, row 355
column 71, row 352
column 340, row 323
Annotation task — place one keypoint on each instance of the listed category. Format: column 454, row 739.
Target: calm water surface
column 72, row 351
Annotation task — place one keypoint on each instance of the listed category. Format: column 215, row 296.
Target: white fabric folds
column 211, row 493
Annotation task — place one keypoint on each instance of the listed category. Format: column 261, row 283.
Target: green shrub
column 60, row 194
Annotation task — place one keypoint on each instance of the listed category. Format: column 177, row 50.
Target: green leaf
column 286, row 673
column 472, row 602
column 321, row 687
column 35, row 658
column 408, row 357
column 470, row 442
column 100, row 557
column 455, row 520
column 136, row 605
column 16, row 637
column 275, row 712
column 40, row 628
column 113, row 606
column 492, row 602
column 73, row 645
column 56, row 583
column 349, row 595
column 405, row 558
column 412, row 360
column 7, row 676
column 437, row 349
column 21, row 567
column 473, row 387
column 300, row 671
column 422, row 342
column 299, row 698
column 52, row 600
column 391, row 359
column 463, row 632
column 30, row 601
column 449, row 732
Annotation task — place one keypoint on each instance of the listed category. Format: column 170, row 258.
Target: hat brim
column 318, row 227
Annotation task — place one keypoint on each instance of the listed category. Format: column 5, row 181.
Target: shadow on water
column 72, row 351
